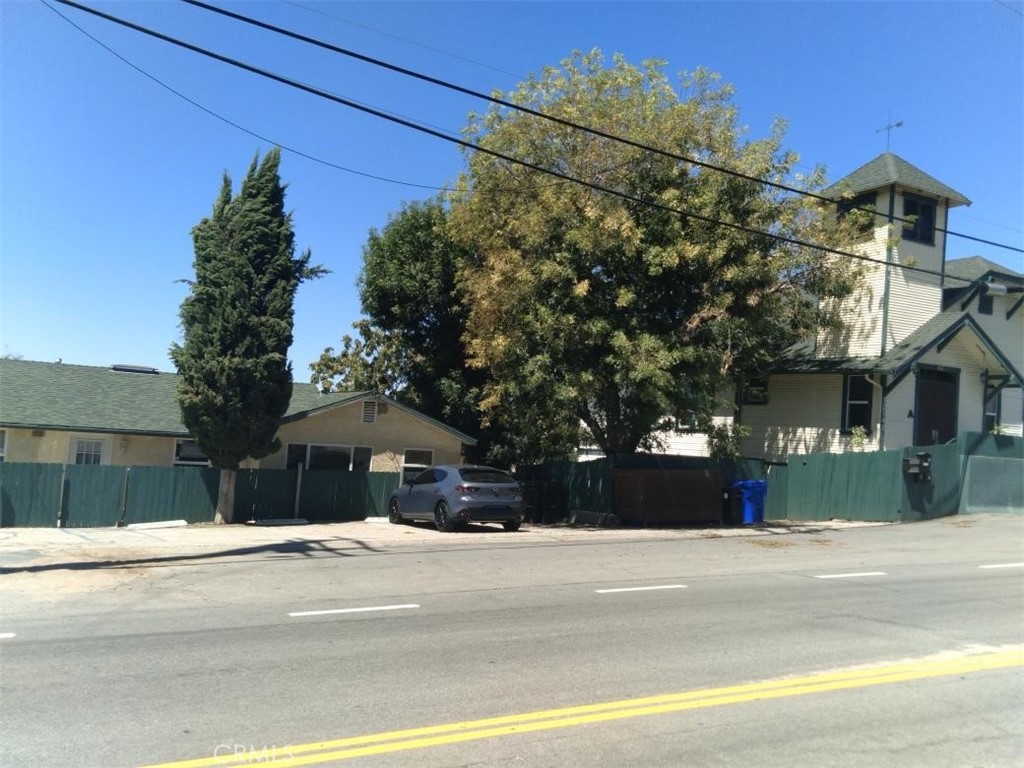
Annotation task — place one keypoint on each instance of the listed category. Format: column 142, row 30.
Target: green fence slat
column 29, row 494
column 265, row 494
column 158, row 494
column 776, row 501
column 993, row 484
column 338, row 495
column 92, row 496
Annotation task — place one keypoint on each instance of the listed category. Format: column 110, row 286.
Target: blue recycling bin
column 753, row 493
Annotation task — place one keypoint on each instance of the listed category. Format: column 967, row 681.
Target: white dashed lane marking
column 1003, row 565
column 639, row 589
column 850, row 575
column 297, row 614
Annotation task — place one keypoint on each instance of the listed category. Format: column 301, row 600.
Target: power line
column 552, row 118
column 1009, row 7
column 254, row 134
column 400, row 39
column 230, row 122
column 476, row 148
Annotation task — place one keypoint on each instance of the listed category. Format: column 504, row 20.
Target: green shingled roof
column 975, row 267
column 899, row 360
column 889, row 168
column 37, row 395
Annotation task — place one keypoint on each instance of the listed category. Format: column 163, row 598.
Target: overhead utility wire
column 558, row 120
column 249, row 131
column 233, row 124
column 400, row 39
column 476, row 148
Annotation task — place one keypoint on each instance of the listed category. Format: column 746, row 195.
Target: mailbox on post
column 918, row 467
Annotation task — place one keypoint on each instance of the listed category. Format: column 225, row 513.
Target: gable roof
column 974, row 268
column 889, row 168
column 131, row 400
column 899, row 361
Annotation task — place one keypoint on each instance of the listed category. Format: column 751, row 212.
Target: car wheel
column 394, row 515
column 512, row 525
column 443, row 519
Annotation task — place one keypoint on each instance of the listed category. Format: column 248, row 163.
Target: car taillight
column 467, row 489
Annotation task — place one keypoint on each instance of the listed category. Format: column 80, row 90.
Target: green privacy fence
column 993, row 474
column 331, row 496
column 976, row 472
column 70, row 496
column 776, row 503
column 156, row 494
column 30, row 494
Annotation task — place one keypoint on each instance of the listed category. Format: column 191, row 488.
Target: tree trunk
column 226, row 497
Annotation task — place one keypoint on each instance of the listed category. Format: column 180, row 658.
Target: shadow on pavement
column 302, row 547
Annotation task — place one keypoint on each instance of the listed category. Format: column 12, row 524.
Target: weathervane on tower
column 889, row 129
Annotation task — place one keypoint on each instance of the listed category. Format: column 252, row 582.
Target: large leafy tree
column 236, row 381
column 409, row 345
column 629, row 314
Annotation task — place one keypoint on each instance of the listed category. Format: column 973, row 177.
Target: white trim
column 417, row 467
column 174, row 454
column 347, row 446
column 74, row 438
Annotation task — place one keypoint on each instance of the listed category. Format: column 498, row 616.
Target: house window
column 3, row 445
column 414, row 462
column 919, row 215
column 985, row 304
column 755, row 392
column 88, row 451
column 343, row 458
column 993, row 412
column 369, row 411
column 187, row 453
column 857, row 399
column 862, row 203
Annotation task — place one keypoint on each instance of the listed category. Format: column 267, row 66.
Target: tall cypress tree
column 236, row 381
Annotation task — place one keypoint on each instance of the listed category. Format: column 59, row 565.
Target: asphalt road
column 892, row 646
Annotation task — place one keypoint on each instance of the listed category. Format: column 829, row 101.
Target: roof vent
column 369, row 411
column 123, row 368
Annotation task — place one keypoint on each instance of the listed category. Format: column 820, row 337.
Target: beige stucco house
column 931, row 348
column 127, row 415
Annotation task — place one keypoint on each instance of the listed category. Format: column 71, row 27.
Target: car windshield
column 485, row 476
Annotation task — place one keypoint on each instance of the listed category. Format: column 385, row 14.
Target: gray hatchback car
column 451, row 496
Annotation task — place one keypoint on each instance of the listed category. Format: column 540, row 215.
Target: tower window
column 919, row 215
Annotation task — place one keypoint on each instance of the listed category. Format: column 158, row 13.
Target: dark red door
column 935, row 421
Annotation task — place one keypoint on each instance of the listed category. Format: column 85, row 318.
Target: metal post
column 60, row 497
column 124, row 497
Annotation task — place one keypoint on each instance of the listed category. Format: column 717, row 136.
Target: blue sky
column 104, row 172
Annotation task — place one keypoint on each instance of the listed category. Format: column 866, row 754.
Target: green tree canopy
column 626, row 315
column 236, row 381
column 409, row 345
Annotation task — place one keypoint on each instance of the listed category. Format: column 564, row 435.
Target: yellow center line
column 471, row 730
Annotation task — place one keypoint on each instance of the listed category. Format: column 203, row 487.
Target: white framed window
column 348, row 458
column 414, row 461
column 3, row 445
column 89, row 450
column 858, row 395
column 919, row 215
column 187, row 453
column 369, row 411
column 993, row 411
